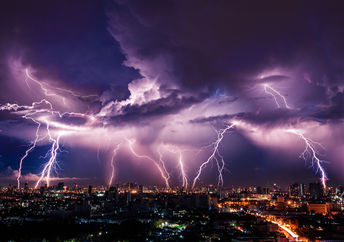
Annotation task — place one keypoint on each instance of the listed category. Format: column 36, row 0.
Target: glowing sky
column 148, row 91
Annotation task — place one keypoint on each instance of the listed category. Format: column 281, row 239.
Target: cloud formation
column 200, row 66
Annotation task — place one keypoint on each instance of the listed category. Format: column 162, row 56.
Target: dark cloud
column 224, row 117
column 335, row 110
column 202, row 43
column 211, row 54
column 7, row 115
column 171, row 104
column 64, row 41
column 272, row 118
column 116, row 92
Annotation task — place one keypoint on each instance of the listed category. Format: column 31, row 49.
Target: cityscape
column 134, row 212
column 173, row 120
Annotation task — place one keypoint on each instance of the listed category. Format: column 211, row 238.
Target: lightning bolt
column 43, row 115
column 114, row 152
column 163, row 175
column 46, row 113
column 42, row 86
column 49, row 91
column 311, row 151
column 215, row 151
column 220, row 166
column 33, row 145
column 53, row 153
column 162, row 162
column 29, row 112
column 181, row 166
column 16, row 107
column 179, row 152
column 274, row 93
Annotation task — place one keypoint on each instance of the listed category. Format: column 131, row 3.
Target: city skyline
column 223, row 94
column 259, row 213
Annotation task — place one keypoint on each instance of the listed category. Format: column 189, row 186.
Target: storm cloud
column 157, row 74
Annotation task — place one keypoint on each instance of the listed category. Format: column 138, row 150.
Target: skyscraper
column 316, row 190
column 297, row 190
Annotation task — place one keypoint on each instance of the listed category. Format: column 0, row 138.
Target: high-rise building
column 90, row 189
column 75, row 187
column 128, row 197
column 259, row 190
column 112, row 193
column 60, row 186
column 302, row 190
column 266, row 190
column 26, row 186
column 316, row 190
column 43, row 189
column 297, row 190
column 340, row 189
column 141, row 188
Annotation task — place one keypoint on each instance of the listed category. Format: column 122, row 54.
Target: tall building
column 297, row 190
column 266, row 190
column 112, row 193
column 259, row 190
column 141, row 188
column 302, row 189
column 43, row 189
column 340, row 189
column 60, row 186
column 75, row 187
column 90, row 189
column 26, row 186
column 276, row 188
column 128, row 197
column 316, row 190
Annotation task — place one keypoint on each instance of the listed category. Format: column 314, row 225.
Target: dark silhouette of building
column 75, row 187
column 43, row 189
column 128, row 197
column 90, row 189
column 316, row 190
column 266, row 190
column 259, row 190
column 141, row 188
column 26, row 186
column 339, row 189
column 112, row 193
column 297, row 190
column 60, row 186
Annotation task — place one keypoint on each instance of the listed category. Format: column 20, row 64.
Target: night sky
column 142, row 90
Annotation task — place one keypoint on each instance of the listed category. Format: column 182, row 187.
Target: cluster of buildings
column 206, row 213
column 302, row 212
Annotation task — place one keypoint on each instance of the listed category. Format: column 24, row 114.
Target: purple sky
column 141, row 91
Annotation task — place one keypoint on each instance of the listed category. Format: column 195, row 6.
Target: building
column 60, row 186
column 266, row 190
column 141, row 189
column 212, row 201
column 26, row 186
column 316, row 190
column 280, row 199
column 90, row 188
column 296, row 190
column 318, row 208
column 340, row 189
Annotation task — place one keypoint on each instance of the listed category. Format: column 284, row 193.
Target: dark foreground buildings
column 136, row 213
